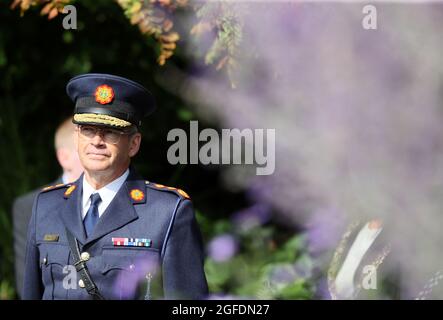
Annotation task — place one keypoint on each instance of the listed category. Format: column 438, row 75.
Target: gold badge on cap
column 104, row 94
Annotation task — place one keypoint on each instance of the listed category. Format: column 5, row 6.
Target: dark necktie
column 92, row 215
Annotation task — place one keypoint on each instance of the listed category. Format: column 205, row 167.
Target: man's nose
column 98, row 138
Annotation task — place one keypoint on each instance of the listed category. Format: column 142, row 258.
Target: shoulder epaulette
column 70, row 187
column 161, row 187
column 55, row 187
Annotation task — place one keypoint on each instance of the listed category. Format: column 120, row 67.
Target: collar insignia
column 137, row 195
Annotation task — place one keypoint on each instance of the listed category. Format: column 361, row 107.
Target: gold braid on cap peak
column 101, row 118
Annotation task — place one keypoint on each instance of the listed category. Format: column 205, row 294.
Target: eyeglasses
column 108, row 135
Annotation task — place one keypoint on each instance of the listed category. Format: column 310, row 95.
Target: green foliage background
column 37, row 58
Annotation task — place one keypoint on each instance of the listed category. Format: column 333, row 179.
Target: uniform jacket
column 21, row 214
column 173, row 262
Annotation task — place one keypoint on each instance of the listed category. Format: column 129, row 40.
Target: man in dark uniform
column 68, row 159
column 112, row 234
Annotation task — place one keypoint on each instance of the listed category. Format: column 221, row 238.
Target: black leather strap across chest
column 82, row 269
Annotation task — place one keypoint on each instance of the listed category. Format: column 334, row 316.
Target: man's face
column 99, row 154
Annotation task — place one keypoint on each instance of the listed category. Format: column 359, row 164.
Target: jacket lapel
column 121, row 209
column 71, row 212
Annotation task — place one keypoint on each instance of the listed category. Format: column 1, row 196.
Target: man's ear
column 62, row 157
column 134, row 144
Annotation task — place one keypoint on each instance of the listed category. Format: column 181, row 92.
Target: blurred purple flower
column 324, row 230
column 133, row 275
column 304, row 267
column 282, row 274
column 222, row 247
column 322, row 291
column 251, row 217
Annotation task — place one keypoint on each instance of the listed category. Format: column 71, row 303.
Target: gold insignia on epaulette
column 184, row 194
column 179, row 191
column 53, row 187
column 70, row 189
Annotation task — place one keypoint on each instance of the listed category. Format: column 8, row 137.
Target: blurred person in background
column 69, row 161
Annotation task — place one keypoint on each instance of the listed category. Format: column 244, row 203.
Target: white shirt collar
column 65, row 179
column 107, row 193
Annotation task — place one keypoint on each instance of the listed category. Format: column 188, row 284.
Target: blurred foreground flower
column 254, row 216
column 222, row 248
column 324, row 230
